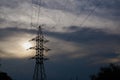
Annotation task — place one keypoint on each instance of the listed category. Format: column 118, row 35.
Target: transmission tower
column 39, row 70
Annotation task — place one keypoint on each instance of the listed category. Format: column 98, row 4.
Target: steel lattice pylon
column 39, row 71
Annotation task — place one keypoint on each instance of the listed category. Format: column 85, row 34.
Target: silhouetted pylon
column 39, row 71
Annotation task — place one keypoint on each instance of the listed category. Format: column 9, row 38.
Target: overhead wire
column 75, row 19
column 89, row 14
column 66, row 3
column 35, row 14
column 39, row 10
column 31, row 21
column 59, row 19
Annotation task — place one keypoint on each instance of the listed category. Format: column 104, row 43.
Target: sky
column 84, row 35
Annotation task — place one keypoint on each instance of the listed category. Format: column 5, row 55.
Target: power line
column 75, row 19
column 39, row 10
column 66, row 3
column 31, row 24
column 35, row 14
column 90, row 13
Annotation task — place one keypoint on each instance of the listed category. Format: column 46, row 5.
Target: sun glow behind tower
column 27, row 45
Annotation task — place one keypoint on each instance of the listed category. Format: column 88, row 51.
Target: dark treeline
column 4, row 76
column 111, row 72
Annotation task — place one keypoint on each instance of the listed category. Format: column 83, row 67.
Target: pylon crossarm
column 32, row 48
column 40, row 39
column 45, row 41
column 43, row 58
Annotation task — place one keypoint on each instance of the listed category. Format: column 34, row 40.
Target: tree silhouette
column 4, row 76
column 112, row 72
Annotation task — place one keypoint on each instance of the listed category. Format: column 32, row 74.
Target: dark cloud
column 96, row 42
column 3, row 52
column 2, row 20
column 8, row 32
column 108, row 9
column 86, row 35
column 11, row 3
column 113, row 4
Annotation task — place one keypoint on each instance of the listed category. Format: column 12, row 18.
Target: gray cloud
column 11, row 3
column 105, row 16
